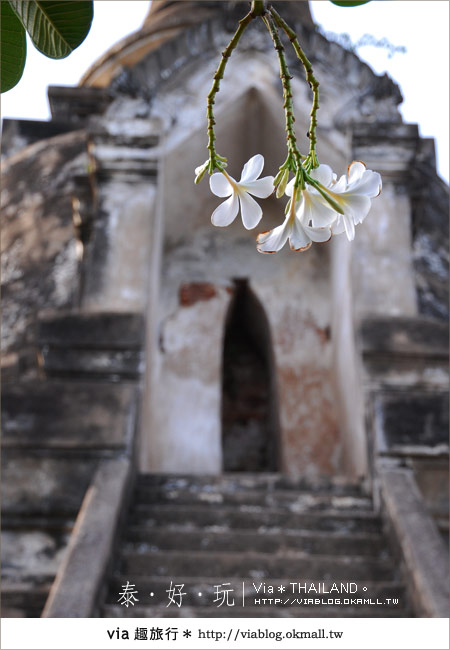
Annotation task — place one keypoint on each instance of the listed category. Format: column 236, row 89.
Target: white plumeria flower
column 310, row 208
column 308, row 220
column 239, row 192
column 353, row 195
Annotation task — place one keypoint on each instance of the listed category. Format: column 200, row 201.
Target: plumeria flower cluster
column 313, row 214
column 319, row 204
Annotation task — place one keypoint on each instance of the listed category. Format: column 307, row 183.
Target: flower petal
column 252, row 169
column 250, row 210
column 313, row 211
column 298, row 238
column 318, row 234
column 355, row 206
column 369, row 184
column 219, row 185
column 262, row 188
column 340, row 185
column 349, row 227
column 226, row 212
column 355, row 170
column 323, row 174
column 338, row 226
column 273, row 240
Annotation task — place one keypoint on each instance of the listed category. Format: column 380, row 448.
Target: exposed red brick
column 294, row 325
column 192, row 292
column 310, row 436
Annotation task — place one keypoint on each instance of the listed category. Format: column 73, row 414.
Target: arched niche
column 249, row 413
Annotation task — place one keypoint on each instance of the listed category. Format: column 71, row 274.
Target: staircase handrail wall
column 76, row 591
column 418, row 542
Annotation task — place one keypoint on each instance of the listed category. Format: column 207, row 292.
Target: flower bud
column 200, row 172
column 282, row 185
column 278, row 177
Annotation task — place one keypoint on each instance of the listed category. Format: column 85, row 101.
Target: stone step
column 201, row 592
column 256, row 517
column 230, row 482
column 64, row 415
column 103, row 345
column 13, row 612
column 28, row 602
column 36, row 485
column 30, row 560
column 18, row 522
column 256, row 565
column 34, row 553
column 91, row 330
column 290, row 499
column 201, row 526
column 316, row 542
column 119, row 611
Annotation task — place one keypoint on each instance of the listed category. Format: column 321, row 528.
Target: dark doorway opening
column 250, row 430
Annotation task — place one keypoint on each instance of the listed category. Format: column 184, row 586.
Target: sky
column 422, row 26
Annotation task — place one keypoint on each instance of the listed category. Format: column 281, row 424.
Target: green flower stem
column 334, row 204
column 216, row 161
column 310, row 78
column 294, row 156
column 258, row 8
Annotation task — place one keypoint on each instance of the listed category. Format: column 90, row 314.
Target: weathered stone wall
column 383, row 273
column 430, row 231
column 39, row 242
column 117, row 257
column 406, row 390
column 189, row 384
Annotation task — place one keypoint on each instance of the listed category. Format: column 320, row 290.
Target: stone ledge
column 390, row 148
column 17, row 134
column 74, row 104
column 102, row 345
column 404, row 336
column 31, row 558
column 411, row 418
column 51, row 415
column 374, row 132
column 34, row 486
column 103, row 330
column 112, row 365
column 421, row 452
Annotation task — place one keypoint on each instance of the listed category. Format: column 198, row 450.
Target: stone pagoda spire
column 168, row 18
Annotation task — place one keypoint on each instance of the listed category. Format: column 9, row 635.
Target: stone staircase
column 203, row 536
column 58, row 427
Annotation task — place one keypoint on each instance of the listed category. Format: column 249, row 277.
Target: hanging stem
column 258, row 8
column 293, row 161
column 216, row 161
column 310, row 78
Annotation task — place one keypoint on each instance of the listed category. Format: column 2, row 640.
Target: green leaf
column 342, row 3
column 56, row 28
column 13, row 48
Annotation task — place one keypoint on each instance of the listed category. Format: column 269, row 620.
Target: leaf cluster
column 56, row 29
column 349, row 3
